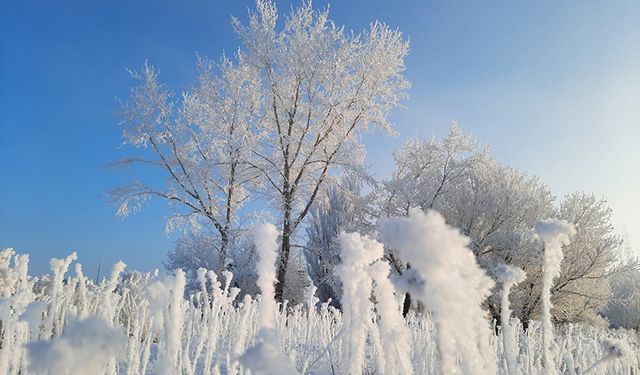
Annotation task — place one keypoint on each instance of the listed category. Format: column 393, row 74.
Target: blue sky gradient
column 553, row 87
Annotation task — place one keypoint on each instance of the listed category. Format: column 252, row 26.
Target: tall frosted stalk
column 554, row 234
column 509, row 276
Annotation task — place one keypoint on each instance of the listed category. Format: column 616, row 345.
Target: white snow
column 445, row 276
column 84, row 347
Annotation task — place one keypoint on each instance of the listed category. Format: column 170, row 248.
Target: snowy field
column 135, row 323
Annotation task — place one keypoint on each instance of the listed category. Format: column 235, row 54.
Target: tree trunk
column 224, row 234
column 222, row 256
column 406, row 305
column 285, row 250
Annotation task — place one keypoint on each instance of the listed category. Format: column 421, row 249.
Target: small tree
column 340, row 207
column 199, row 142
column 623, row 310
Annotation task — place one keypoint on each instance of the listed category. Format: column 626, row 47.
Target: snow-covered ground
column 140, row 323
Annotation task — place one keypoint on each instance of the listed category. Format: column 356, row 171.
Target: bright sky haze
column 552, row 87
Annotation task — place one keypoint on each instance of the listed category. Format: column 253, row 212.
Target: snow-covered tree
column 199, row 142
column 623, row 310
column 426, row 173
column 321, row 88
column 197, row 250
column 493, row 205
column 496, row 206
column 591, row 258
column 283, row 114
column 581, row 291
column 340, row 207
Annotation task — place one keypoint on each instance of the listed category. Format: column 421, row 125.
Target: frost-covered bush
column 341, row 206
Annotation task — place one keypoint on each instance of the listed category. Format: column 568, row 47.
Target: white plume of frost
column 174, row 323
column 266, row 356
column 362, row 272
column 82, row 292
column 615, row 351
column 85, row 347
column 509, row 276
column 357, row 254
column 395, row 335
column 32, row 315
column 265, row 238
column 445, row 276
column 59, row 268
column 554, row 234
column 106, row 307
column 166, row 308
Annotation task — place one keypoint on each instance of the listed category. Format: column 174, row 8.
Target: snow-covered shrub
column 200, row 250
column 341, row 206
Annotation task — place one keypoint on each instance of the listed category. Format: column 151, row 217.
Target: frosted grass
column 206, row 332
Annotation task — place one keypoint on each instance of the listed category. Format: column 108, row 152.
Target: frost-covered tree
column 493, row 205
column 496, row 206
column 321, row 87
column 582, row 290
column 623, row 310
column 197, row 250
column 426, row 173
column 340, row 207
column 284, row 114
column 193, row 251
column 198, row 142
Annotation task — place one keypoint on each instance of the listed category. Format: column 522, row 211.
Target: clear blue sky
column 552, row 86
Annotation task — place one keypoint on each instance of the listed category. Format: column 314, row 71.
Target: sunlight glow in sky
column 552, row 87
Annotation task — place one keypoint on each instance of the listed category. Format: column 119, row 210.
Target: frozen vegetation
column 453, row 264
column 145, row 323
